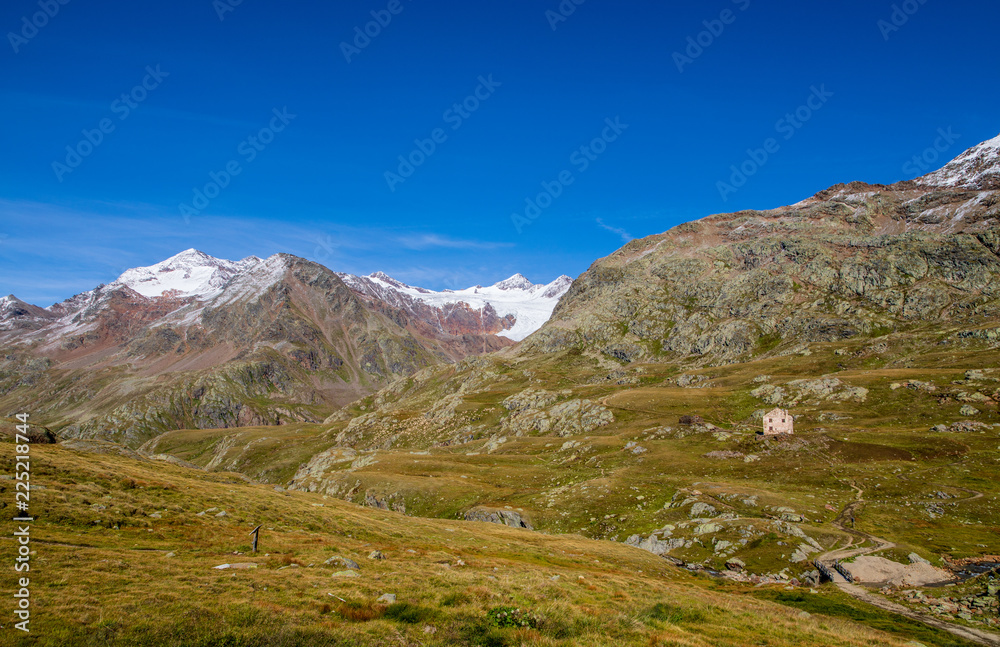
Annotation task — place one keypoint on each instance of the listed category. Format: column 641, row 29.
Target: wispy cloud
column 432, row 241
column 51, row 251
column 626, row 237
column 91, row 105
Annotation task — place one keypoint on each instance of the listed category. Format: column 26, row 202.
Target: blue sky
column 200, row 89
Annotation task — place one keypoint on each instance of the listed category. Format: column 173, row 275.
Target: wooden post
column 255, row 532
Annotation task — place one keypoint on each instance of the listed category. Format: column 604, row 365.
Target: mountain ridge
column 196, row 341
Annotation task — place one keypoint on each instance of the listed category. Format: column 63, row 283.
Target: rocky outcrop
column 798, row 391
column 10, row 428
column 535, row 412
column 503, row 517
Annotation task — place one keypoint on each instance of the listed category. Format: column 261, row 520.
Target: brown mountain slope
column 290, row 347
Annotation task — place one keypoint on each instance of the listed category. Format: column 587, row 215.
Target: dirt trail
column 846, row 552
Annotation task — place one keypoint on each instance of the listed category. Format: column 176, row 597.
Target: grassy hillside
column 124, row 556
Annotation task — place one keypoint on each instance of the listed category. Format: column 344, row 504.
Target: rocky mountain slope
column 872, row 311
column 196, row 341
column 852, row 260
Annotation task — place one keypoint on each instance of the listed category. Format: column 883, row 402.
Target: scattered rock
column 244, row 565
column 770, row 394
column 635, row 448
column 686, row 381
column 702, row 510
column 376, row 555
column 653, row 544
column 969, row 410
column 736, row 564
column 707, row 528
column 724, row 454
column 337, row 560
column 802, row 553
column 534, row 411
column 963, row 426
column 501, row 517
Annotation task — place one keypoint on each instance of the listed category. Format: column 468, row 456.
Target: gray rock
column 388, row 598
column 337, row 560
column 707, row 528
column 969, row 410
column 501, row 517
column 376, row 555
column 654, row 544
column 701, row 510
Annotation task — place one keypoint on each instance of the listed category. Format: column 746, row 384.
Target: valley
column 572, row 463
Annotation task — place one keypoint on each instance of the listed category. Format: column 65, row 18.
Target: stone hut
column 778, row 421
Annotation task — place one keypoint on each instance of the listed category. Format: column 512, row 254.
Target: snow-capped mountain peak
column 519, row 304
column 388, row 280
column 15, row 313
column 189, row 274
column 516, row 282
column 976, row 168
column 191, row 281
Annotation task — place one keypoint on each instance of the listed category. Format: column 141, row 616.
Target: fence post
column 255, row 532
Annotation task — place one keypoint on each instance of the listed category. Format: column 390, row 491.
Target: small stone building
column 778, row 421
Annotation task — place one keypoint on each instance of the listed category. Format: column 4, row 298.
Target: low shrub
column 361, row 611
column 511, row 617
column 408, row 613
column 674, row 614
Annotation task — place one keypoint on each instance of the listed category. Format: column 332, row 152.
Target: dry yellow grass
column 102, row 573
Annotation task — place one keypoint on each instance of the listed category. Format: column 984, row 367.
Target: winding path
column 845, row 552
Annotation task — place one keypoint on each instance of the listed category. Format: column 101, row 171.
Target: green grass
column 838, row 605
column 99, row 585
